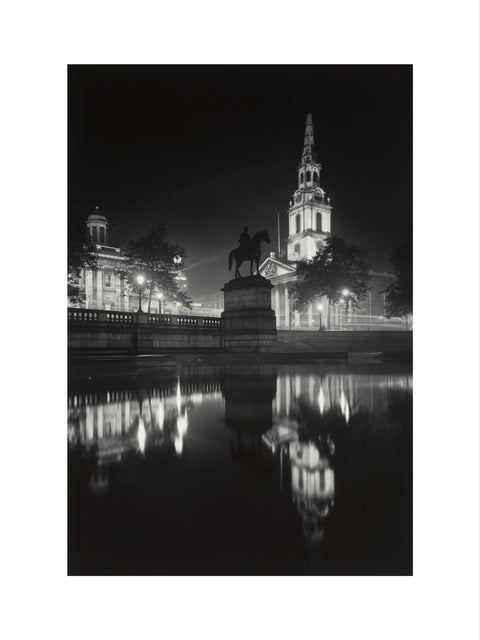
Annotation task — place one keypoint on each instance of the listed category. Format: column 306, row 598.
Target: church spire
column 308, row 154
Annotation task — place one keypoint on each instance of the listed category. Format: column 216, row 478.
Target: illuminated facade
column 309, row 224
column 104, row 286
column 309, row 215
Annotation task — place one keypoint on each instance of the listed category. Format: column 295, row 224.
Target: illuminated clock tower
column 310, row 211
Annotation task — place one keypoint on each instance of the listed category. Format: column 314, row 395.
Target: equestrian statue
column 249, row 249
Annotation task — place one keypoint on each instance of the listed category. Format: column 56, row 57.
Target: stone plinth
column 248, row 320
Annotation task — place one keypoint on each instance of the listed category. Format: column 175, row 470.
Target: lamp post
column 140, row 280
column 320, row 307
column 160, row 298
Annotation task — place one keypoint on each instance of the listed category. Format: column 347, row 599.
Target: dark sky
column 210, row 149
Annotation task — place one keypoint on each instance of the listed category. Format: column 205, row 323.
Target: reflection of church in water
column 262, row 411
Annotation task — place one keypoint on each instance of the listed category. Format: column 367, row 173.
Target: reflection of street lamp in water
column 140, row 280
column 320, row 307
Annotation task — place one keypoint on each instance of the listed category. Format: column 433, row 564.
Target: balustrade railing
column 82, row 315
column 89, row 316
column 120, row 317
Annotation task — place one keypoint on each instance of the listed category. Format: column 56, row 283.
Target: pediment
column 272, row 267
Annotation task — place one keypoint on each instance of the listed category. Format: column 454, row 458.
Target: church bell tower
column 309, row 215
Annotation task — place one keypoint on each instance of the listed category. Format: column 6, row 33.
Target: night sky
column 210, row 149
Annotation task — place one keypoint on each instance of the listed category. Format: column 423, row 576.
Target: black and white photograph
column 240, row 320
column 241, row 304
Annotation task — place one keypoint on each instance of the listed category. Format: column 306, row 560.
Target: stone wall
column 90, row 330
column 350, row 341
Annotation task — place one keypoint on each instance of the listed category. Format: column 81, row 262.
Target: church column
column 277, row 306
column 287, row 309
column 99, row 289
column 88, row 288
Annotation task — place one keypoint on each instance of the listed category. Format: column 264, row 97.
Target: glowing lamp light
column 140, row 279
column 319, row 307
column 141, row 436
column 345, row 292
column 160, row 296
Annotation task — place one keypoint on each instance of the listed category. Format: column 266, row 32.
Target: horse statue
column 251, row 253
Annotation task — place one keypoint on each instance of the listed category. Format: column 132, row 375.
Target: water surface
column 261, row 469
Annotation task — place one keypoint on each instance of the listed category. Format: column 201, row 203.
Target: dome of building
column 96, row 216
column 97, row 225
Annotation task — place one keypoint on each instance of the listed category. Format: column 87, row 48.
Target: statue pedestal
column 248, row 320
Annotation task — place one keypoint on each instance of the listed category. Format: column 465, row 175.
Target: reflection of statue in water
column 248, row 250
column 248, row 393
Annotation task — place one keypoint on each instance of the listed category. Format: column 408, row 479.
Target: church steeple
column 308, row 154
column 310, row 210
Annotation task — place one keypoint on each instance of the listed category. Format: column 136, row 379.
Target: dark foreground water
column 261, row 469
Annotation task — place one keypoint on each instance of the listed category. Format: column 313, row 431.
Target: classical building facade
column 104, row 287
column 309, row 224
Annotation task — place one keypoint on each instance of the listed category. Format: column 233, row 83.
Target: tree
column 160, row 261
column 399, row 295
column 81, row 255
column 337, row 267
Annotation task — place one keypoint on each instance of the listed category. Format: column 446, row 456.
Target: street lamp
column 320, row 307
column 160, row 298
column 345, row 292
column 140, row 280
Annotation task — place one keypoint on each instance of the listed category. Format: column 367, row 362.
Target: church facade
column 309, row 224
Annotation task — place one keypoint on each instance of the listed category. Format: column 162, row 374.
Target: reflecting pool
column 243, row 469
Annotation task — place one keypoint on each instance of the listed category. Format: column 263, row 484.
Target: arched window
column 315, row 176
column 102, row 235
column 309, row 176
column 297, row 223
column 301, row 177
column 319, row 221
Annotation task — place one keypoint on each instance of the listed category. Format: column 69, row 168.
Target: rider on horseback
column 245, row 243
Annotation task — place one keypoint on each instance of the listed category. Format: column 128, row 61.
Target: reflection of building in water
column 310, row 476
column 347, row 391
column 116, row 422
column 313, row 487
column 303, row 465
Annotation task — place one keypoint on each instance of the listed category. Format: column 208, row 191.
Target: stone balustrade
column 84, row 316
column 93, row 330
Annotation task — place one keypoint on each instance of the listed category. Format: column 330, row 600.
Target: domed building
column 104, row 287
